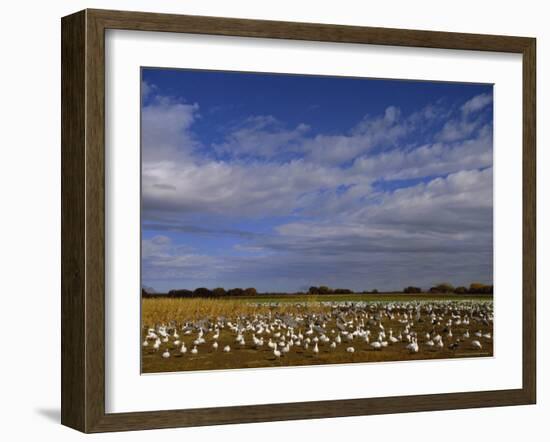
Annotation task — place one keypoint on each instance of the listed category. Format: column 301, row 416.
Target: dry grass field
column 188, row 334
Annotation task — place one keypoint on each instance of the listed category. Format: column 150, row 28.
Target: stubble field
column 188, row 334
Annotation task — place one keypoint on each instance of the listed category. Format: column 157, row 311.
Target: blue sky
column 280, row 182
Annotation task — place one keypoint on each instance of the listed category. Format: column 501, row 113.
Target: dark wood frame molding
column 83, row 217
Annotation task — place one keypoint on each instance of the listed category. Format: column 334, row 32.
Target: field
column 188, row 334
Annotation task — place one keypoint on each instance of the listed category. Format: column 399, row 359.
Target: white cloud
column 455, row 130
column 344, row 224
column 177, row 180
column 237, row 188
column 266, row 137
column 164, row 260
column 477, row 103
column 452, row 214
column 262, row 136
column 147, row 89
column 467, row 123
column 166, row 129
column 430, row 159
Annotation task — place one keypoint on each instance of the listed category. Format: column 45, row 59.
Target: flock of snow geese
column 408, row 327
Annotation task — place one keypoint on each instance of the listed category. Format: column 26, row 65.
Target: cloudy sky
column 281, row 182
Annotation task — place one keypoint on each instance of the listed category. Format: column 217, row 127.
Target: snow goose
column 413, row 346
column 476, row 345
column 376, row 345
column 156, row 345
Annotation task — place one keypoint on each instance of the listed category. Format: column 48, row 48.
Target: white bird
column 227, row 349
column 194, row 351
column 277, row 353
column 476, row 344
column 166, row 354
column 333, row 344
column 183, row 349
column 316, row 349
column 413, row 346
column 350, row 349
column 215, row 345
column 145, row 343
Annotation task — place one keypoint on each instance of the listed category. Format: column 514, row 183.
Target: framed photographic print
column 269, row 220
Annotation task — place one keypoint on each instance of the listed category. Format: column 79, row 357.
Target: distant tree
column 461, row 290
column 324, row 290
column 251, row 291
column 180, row 293
column 202, row 292
column 476, row 287
column 313, row 290
column 218, row 292
column 445, row 287
column 235, row 292
column 374, row 291
column 343, row 291
column 412, row 289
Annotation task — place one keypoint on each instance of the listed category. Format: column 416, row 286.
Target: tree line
column 203, row 292
column 474, row 288
column 324, row 290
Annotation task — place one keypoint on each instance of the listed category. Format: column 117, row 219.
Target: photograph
column 291, row 220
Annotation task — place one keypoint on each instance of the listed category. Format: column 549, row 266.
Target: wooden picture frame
column 83, row 220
